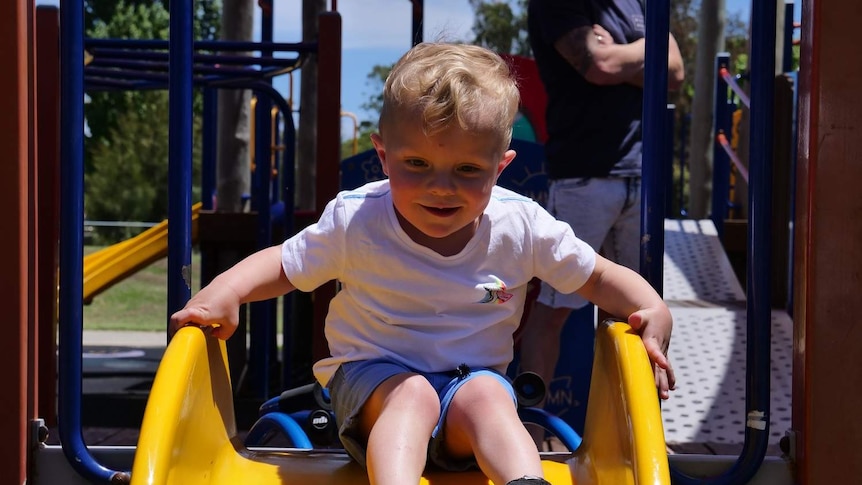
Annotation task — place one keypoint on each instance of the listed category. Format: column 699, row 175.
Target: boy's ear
column 377, row 141
column 508, row 156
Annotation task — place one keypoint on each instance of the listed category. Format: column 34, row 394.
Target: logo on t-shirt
column 495, row 292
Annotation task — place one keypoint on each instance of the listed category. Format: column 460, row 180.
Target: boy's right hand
column 216, row 306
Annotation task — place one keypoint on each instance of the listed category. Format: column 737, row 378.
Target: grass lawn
column 138, row 302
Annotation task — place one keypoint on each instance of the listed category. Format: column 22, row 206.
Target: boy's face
column 440, row 184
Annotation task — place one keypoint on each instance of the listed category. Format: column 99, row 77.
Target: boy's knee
column 483, row 389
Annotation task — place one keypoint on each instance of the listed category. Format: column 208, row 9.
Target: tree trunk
column 742, row 193
column 234, row 112
column 711, row 22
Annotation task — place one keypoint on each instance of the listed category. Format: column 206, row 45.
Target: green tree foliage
column 501, row 26
column 375, row 81
column 126, row 153
column 363, row 140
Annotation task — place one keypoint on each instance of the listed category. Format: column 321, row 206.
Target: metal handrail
column 721, row 139
column 737, row 89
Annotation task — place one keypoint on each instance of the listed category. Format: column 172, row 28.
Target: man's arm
column 675, row 67
column 593, row 53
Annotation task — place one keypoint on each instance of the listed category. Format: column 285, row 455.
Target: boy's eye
column 469, row 169
column 415, row 162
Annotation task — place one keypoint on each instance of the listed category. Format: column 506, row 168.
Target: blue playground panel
column 568, row 391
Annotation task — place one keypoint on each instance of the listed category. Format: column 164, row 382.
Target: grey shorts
column 604, row 213
column 353, row 383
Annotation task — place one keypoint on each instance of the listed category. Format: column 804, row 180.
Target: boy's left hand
column 654, row 326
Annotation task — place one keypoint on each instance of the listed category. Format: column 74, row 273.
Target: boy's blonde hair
column 446, row 85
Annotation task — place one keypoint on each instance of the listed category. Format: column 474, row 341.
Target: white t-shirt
column 405, row 302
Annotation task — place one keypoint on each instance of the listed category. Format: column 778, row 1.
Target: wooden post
column 827, row 365
column 48, row 170
column 16, row 128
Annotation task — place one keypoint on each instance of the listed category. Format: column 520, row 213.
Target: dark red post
column 16, row 124
column 328, row 149
column 827, row 366
column 48, row 189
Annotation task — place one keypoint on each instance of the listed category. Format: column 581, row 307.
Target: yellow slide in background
column 105, row 267
column 188, row 435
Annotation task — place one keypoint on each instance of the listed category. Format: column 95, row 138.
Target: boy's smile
column 440, row 184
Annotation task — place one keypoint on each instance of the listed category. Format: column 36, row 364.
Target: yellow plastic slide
column 105, row 267
column 188, row 435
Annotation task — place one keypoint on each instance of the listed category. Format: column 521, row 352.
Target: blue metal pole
column 261, row 324
column 759, row 288
column 758, row 298
column 208, row 45
column 720, row 160
column 288, row 181
column 71, row 314
column 180, row 155
column 116, row 56
column 654, row 139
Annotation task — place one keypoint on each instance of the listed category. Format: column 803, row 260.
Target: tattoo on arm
column 573, row 47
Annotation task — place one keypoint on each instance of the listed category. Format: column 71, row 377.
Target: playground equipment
column 823, row 440
column 109, row 265
column 184, row 433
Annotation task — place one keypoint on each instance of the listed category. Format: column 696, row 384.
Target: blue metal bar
column 208, row 45
column 654, row 152
column 553, row 423
column 156, row 73
column 130, row 68
column 417, row 27
column 758, row 298
column 262, row 328
column 288, row 180
column 147, row 81
column 759, row 288
column 71, row 314
column 278, row 421
column 109, row 55
column 720, row 161
column 180, row 156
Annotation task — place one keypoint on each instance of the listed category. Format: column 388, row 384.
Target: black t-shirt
column 593, row 131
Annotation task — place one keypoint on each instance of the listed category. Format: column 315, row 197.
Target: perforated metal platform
column 708, row 344
column 696, row 269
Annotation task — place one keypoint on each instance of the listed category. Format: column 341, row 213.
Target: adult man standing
column 590, row 56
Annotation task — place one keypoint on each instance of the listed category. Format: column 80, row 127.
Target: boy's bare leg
column 483, row 421
column 398, row 420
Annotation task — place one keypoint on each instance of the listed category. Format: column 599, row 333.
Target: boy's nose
column 441, row 183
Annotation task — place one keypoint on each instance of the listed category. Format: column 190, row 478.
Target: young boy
column 434, row 264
